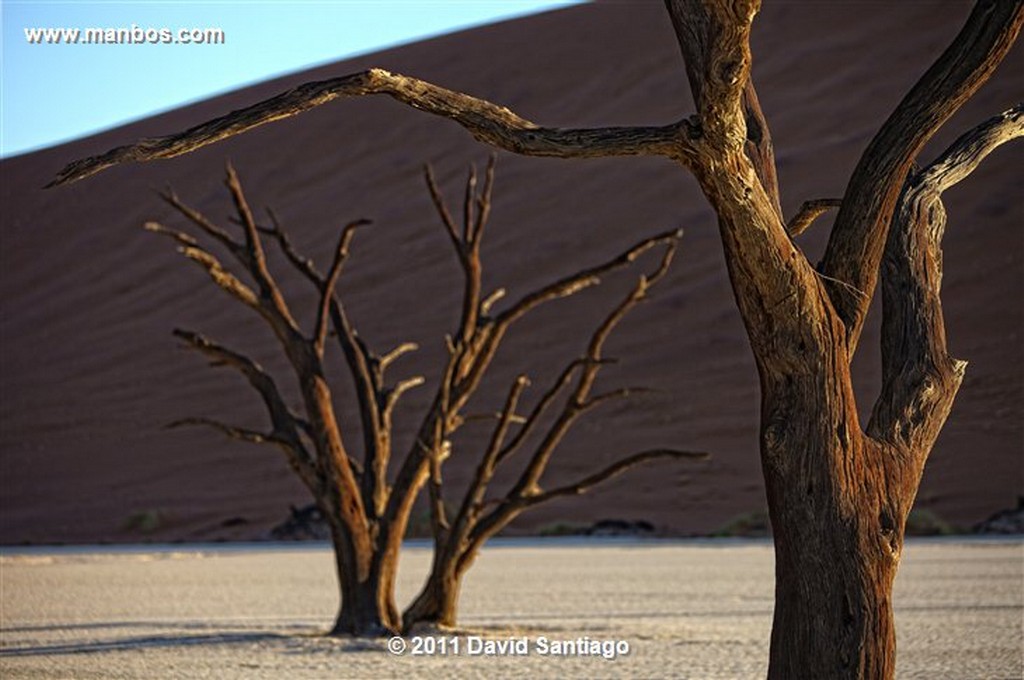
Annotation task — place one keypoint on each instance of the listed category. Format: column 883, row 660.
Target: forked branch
column 578, row 401
column 191, row 249
column 919, row 377
column 475, row 527
column 858, row 238
column 285, row 425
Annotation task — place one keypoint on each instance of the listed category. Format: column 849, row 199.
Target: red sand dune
column 90, row 373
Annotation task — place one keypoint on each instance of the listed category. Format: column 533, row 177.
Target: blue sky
column 50, row 93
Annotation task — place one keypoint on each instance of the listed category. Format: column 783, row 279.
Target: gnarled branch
column 965, row 154
column 919, row 377
column 487, row 122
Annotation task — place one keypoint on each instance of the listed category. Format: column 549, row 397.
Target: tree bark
column 437, row 603
column 837, row 525
column 367, row 607
column 838, row 496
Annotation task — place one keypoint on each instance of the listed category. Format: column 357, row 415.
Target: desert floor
column 688, row 609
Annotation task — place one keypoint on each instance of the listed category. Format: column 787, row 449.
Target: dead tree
column 367, row 504
column 838, row 492
column 458, row 538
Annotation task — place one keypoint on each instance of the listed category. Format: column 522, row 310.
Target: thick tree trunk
column 437, row 604
column 838, row 539
column 368, row 607
column 833, row 602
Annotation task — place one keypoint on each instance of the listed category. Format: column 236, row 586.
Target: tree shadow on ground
column 184, row 635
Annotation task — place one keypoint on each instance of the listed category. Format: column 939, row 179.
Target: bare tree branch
column 576, row 403
column 858, row 238
column 487, row 122
column 491, row 334
column 305, row 265
column 488, row 302
column 332, row 461
column 396, row 354
column 181, row 237
column 511, row 506
column 466, row 242
column 442, row 210
column 270, row 302
column 255, row 260
column 423, row 461
column 545, row 401
column 965, row 154
column 494, row 415
column 484, row 200
column 614, row 395
column 329, row 284
column 808, row 212
column 230, row 431
column 438, row 510
column 470, row 355
column 467, row 205
column 467, row 514
column 613, row 470
column 585, row 278
column 285, row 424
column 395, row 393
column 192, row 250
column 201, row 221
column 365, row 370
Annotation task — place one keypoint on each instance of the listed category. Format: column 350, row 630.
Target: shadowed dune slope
column 90, row 373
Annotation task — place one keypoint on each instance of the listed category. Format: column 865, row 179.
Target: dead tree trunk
column 367, row 605
column 838, row 493
column 458, row 538
column 312, row 443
